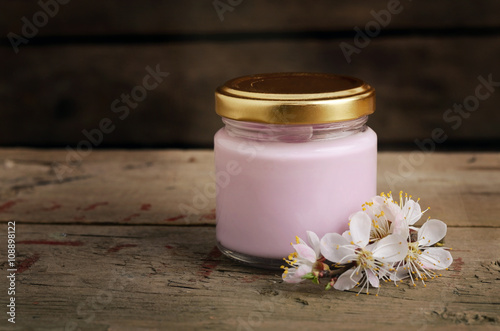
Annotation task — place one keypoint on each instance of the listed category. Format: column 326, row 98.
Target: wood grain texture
column 150, row 277
column 107, row 187
column 461, row 189
column 62, row 90
column 167, row 17
column 149, row 187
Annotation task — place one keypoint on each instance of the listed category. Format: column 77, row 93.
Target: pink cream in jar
column 295, row 155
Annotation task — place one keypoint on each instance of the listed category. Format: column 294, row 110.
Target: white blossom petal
column 294, row 275
column 436, row 258
column 314, row 242
column 305, row 252
column 378, row 200
column 360, row 226
column 400, row 273
column 400, row 227
column 347, row 280
column 375, row 208
column 412, row 212
column 391, row 210
column 334, row 247
column 431, row 232
column 300, row 241
column 385, row 272
column 347, row 235
column 392, row 248
column 374, row 281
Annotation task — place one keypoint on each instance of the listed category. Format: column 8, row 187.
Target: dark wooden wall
column 65, row 79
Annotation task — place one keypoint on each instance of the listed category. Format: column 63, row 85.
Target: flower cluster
column 382, row 244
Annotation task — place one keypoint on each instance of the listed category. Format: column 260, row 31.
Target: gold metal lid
column 294, row 98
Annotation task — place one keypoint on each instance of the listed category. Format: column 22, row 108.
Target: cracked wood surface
column 83, row 265
column 132, row 277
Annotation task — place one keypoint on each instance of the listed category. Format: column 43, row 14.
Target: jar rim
column 295, row 98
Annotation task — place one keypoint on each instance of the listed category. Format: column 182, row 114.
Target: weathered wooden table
column 104, row 243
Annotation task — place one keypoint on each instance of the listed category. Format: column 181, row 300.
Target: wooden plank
column 149, row 187
column 68, row 89
column 166, row 17
column 107, row 187
column 462, row 189
column 125, row 278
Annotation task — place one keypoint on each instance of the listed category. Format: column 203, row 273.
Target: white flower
column 422, row 258
column 370, row 261
column 377, row 210
column 391, row 217
column 303, row 259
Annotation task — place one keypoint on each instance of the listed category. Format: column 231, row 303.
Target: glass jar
column 295, row 155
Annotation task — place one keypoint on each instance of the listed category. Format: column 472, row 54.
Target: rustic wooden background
column 66, row 78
